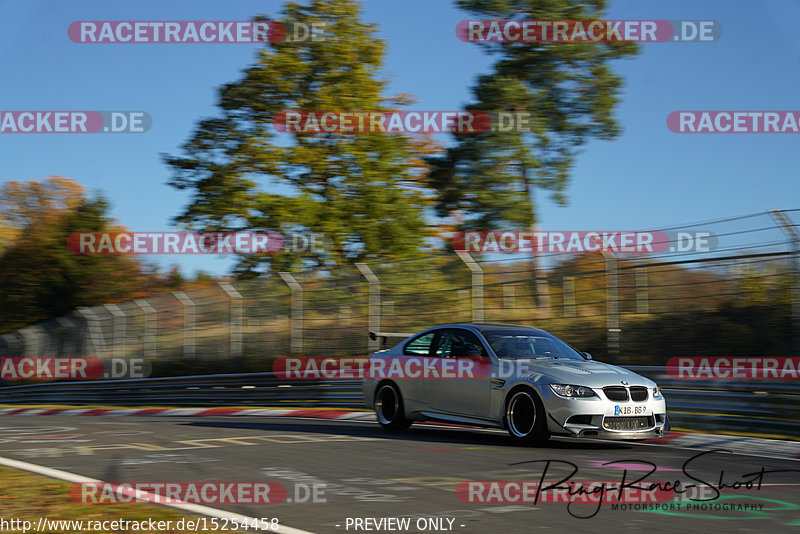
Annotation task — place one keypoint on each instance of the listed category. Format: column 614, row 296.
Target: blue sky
column 647, row 178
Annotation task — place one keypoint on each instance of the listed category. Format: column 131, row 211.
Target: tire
column 389, row 408
column 525, row 418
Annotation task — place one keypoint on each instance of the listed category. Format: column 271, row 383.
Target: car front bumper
column 598, row 417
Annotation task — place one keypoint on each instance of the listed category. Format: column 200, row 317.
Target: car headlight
column 567, row 390
column 656, row 392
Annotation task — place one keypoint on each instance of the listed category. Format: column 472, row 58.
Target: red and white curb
column 686, row 440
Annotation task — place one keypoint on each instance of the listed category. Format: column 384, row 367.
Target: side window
column 455, row 343
column 420, row 346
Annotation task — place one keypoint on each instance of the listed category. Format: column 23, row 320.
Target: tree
column 26, row 203
column 39, row 277
column 360, row 190
column 489, row 179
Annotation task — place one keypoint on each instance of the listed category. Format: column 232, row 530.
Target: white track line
column 186, row 507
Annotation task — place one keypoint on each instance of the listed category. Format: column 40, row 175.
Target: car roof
column 488, row 328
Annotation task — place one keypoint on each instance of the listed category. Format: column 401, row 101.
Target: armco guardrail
column 765, row 407
column 204, row 390
column 753, row 406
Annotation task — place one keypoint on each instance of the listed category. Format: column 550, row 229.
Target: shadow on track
column 417, row 433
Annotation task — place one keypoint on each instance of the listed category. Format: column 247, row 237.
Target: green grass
column 30, row 497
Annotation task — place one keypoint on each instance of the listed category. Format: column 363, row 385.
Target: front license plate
column 630, row 410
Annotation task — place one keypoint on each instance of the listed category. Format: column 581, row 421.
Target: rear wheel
column 389, row 408
column 525, row 417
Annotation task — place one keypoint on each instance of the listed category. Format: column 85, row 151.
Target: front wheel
column 525, row 417
column 389, row 408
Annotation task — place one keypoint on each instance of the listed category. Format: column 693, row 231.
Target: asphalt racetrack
column 363, row 472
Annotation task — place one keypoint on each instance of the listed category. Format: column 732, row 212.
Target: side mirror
column 587, row 355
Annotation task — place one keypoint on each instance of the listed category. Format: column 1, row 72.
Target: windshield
column 514, row 346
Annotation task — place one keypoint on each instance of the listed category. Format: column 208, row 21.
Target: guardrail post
column 642, row 292
column 189, row 319
column 477, row 285
column 374, row 303
column 542, row 283
column 794, row 243
column 150, row 325
column 297, row 311
column 236, row 318
column 569, row 296
column 120, row 334
column 612, row 307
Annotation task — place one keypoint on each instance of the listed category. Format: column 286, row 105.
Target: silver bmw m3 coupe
column 508, row 376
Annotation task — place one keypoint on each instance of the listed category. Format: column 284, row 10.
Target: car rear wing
column 384, row 336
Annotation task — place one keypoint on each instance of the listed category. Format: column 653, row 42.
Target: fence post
column 794, row 243
column 236, row 319
column 569, row 296
column 297, row 311
column 374, row 304
column 477, row 285
column 189, row 345
column 612, row 306
column 66, row 343
column 150, row 325
column 642, row 292
column 92, row 327
column 119, row 335
column 30, row 345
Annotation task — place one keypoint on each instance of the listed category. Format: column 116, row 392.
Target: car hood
column 589, row 373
